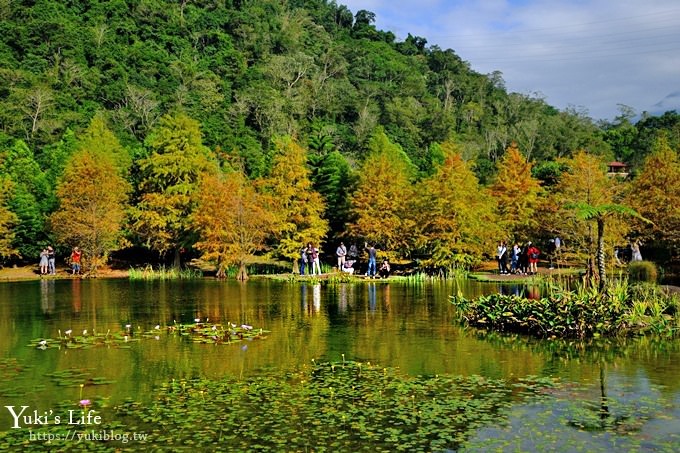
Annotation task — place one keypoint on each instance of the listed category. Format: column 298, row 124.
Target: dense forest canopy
column 233, row 79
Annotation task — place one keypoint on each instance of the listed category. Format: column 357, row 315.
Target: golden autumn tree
column 92, row 201
column 655, row 194
column 8, row 221
column 298, row 208
column 169, row 178
column 457, row 219
column 233, row 221
column 517, row 195
column 584, row 199
column 382, row 205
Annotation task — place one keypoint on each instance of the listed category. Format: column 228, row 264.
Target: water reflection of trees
column 659, row 357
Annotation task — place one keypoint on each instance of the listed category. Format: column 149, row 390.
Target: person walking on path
column 341, row 253
column 372, row 263
column 76, row 255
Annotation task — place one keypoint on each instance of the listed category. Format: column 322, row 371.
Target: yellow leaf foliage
column 92, row 202
column 297, row 207
column 517, row 195
column 457, row 221
column 655, row 194
column 383, row 203
column 585, row 182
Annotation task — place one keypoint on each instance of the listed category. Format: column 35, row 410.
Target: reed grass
column 163, row 273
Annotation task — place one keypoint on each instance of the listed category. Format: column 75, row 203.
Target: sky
column 592, row 56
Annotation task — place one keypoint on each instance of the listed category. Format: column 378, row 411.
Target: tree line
column 161, row 101
column 179, row 195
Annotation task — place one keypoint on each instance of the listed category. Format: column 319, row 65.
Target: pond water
column 408, row 326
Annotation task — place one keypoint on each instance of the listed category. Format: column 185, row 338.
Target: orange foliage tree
column 92, row 201
column 233, row 221
column 517, row 195
column 655, row 194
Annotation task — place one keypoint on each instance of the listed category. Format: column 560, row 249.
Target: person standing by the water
column 43, row 262
column 51, row 261
column 76, row 255
column 341, row 252
column 372, row 263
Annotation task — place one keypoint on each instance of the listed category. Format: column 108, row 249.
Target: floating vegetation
column 359, row 406
column 74, row 377
column 10, row 383
column 213, row 333
column 198, row 332
column 86, row 340
column 346, row 406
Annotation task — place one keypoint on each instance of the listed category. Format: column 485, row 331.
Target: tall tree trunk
column 242, row 273
column 177, row 261
column 600, row 254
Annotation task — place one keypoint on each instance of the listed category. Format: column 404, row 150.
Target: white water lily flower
column 157, row 327
column 43, row 342
column 214, row 327
column 197, row 320
column 246, row 327
column 126, row 338
column 68, row 332
column 84, row 332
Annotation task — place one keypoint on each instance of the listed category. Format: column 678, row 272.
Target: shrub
column 642, row 271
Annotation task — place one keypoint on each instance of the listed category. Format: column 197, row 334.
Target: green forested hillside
column 250, row 72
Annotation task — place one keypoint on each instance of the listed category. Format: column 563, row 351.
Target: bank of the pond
column 21, row 273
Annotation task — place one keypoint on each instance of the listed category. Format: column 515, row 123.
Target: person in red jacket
column 75, row 260
column 533, row 252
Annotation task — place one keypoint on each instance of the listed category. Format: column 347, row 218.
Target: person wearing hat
column 75, row 260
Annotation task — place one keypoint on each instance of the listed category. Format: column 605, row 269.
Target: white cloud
column 591, row 53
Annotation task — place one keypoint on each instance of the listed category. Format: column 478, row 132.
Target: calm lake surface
column 411, row 327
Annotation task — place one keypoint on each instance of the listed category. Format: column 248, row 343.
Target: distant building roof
column 616, row 164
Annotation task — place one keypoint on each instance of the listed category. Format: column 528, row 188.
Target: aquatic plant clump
column 350, row 406
column 85, row 340
column 198, row 332
column 620, row 310
column 214, row 333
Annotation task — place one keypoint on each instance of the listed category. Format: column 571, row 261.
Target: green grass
column 163, row 273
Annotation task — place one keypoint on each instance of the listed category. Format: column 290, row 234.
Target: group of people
column 309, row 260
column 524, row 258
column 48, row 260
column 346, row 259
